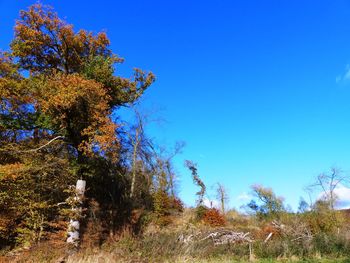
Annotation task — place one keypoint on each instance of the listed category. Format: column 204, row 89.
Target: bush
column 200, row 212
column 165, row 207
column 213, row 218
column 176, row 204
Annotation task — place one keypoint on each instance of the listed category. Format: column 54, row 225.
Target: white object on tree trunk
column 80, row 187
column 74, row 225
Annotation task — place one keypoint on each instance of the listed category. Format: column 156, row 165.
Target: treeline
column 58, row 90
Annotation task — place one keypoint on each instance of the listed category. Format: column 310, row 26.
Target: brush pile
column 218, row 237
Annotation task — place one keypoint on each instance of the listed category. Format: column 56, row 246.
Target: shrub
column 213, row 217
column 176, row 204
column 165, row 207
column 200, row 212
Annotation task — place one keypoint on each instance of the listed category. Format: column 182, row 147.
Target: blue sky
column 259, row 90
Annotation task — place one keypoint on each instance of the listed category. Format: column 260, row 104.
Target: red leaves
column 213, row 218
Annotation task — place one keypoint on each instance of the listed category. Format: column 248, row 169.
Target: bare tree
column 147, row 158
column 141, row 147
column 135, row 140
column 222, row 196
column 168, row 165
column 328, row 183
column 165, row 168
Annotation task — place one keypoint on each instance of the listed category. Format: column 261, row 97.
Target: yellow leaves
column 102, row 40
column 11, row 171
column 102, row 136
column 13, row 90
column 44, row 42
column 63, row 91
column 7, row 67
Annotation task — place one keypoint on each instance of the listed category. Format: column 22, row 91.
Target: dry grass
column 162, row 245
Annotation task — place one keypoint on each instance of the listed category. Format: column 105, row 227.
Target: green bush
column 200, row 212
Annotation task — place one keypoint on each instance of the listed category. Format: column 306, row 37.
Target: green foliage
column 165, row 207
column 31, row 189
column 200, row 212
column 69, row 93
column 193, row 168
column 58, row 90
column 268, row 205
column 322, row 219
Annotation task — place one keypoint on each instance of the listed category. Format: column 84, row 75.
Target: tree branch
column 36, row 149
column 46, row 144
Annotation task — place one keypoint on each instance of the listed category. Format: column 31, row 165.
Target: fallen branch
column 268, row 237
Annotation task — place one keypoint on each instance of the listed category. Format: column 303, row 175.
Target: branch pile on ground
column 218, row 236
column 298, row 231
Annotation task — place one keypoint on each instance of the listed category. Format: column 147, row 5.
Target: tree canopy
column 63, row 82
column 58, row 89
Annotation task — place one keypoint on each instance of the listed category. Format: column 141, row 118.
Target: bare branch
column 43, row 146
column 36, row 149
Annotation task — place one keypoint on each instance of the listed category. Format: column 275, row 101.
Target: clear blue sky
column 259, row 90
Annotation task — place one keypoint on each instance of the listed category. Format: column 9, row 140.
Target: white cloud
column 344, row 78
column 211, row 203
column 244, row 197
column 343, row 196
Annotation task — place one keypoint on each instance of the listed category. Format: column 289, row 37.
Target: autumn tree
column 151, row 173
column 166, row 201
column 72, row 79
column 71, row 89
column 58, row 88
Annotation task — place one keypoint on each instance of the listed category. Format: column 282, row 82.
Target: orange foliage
column 44, row 42
column 72, row 100
column 11, row 171
column 71, row 83
column 213, row 217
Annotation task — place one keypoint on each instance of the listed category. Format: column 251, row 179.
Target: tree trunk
column 134, row 157
column 74, row 225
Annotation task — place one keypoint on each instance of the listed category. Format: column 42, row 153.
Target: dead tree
column 328, row 183
column 222, row 196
